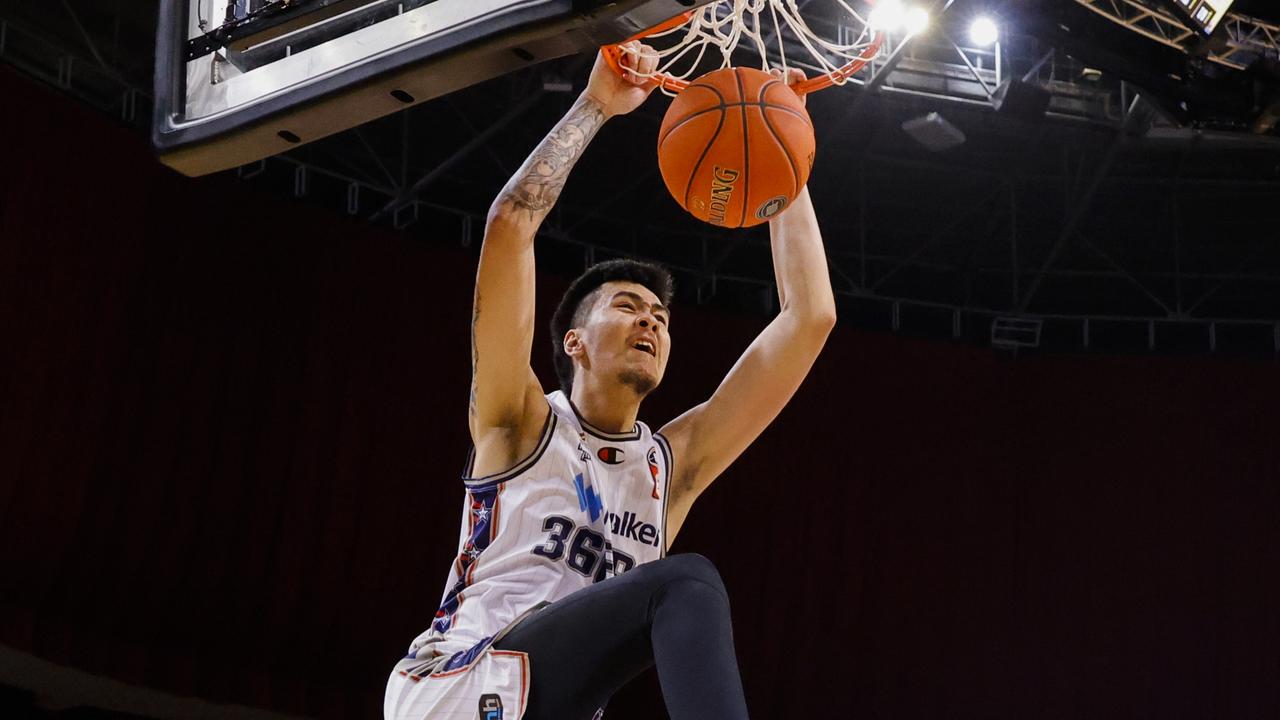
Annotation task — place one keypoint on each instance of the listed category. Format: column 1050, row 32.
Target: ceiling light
column 916, row 20
column 983, row 32
column 887, row 16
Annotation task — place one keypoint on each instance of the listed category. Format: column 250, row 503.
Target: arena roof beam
column 1116, row 268
column 1234, row 275
column 88, row 40
column 408, row 194
column 373, row 155
column 941, row 234
column 488, row 148
column 1082, row 205
column 1125, row 273
column 1239, row 37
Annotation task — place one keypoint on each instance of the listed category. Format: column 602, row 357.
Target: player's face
column 626, row 335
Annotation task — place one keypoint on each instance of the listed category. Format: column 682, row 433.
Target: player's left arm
column 707, row 438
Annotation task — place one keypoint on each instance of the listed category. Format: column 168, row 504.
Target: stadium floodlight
column 892, row 16
column 887, row 16
column 983, row 32
column 916, row 20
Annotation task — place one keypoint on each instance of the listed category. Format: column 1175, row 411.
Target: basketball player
column 561, row 591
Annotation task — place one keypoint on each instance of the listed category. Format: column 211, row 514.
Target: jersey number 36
column 584, row 550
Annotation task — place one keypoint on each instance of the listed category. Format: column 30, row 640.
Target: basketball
column 736, row 147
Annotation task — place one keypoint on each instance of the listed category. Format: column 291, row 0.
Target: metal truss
column 1243, row 38
column 370, row 186
column 1246, row 35
column 89, row 78
column 938, row 68
column 1170, row 317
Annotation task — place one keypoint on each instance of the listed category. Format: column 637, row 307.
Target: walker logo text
column 629, row 526
column 490, row 707
column 721, row 191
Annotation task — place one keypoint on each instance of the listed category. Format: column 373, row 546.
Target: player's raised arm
column 706, row 439
column 506, row 398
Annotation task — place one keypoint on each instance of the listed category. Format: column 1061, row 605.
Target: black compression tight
column 672, row 613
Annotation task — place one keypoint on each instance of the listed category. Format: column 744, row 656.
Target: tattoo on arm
column 537, row 185
column 534, row 189
column 475, row 354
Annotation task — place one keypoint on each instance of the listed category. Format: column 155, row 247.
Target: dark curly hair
column 577, row 300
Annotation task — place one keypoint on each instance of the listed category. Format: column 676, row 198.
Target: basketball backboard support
column 240, row 80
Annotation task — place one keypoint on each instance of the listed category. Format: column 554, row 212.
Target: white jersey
column 584, row 506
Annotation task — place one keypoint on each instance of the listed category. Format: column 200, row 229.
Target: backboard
column 240, row 80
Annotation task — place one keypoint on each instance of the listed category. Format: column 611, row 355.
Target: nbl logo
column 652, row 459
column 490, row 707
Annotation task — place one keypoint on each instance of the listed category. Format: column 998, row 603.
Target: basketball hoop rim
column 612, row 55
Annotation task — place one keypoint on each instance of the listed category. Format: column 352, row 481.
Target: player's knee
column 692, row 566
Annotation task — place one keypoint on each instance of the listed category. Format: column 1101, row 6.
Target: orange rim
column 613, row 56
column 839, row 75
column 613, row 53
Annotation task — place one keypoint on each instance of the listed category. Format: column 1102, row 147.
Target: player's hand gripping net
column 622, row 87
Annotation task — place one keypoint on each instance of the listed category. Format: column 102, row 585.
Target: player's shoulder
column 499, row 453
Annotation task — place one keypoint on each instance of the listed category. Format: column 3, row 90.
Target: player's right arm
column 507, row 409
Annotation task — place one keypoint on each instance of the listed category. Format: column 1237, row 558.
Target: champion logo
column 610, row 455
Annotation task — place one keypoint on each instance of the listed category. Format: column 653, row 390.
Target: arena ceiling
column 1058, row 220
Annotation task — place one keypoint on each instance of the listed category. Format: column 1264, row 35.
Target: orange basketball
column 736, row 147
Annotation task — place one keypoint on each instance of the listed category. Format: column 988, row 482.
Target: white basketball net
column 765, row 29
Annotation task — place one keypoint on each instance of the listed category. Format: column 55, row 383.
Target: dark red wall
column 230, row 428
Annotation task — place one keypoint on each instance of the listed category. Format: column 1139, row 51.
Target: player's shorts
column 493, row 686
column 481, row 682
